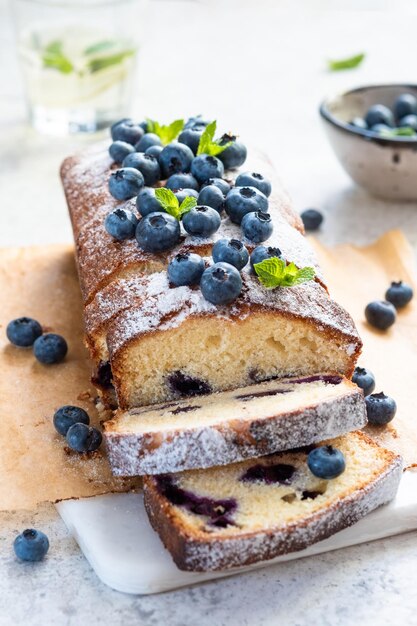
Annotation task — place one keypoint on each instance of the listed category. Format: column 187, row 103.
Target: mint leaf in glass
column 209, row 145
column 54, row 58
column 100, row 46
column 346, row 64
column 274, row 272
column 101, row 63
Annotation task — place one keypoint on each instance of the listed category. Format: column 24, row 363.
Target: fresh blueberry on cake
column 147, row 202
column 220, row 183
column 230, row 251
column 119, row 150
column 260, row 253
column 191, row 137
column 254, row 179
column 221, row 283
column 175, row 158
column 399, row 294
column 312, row 219
column 326, row 462
column 68, row 415
column 206, row 166
column 211, row 195
column 154, row 151
column 23, row 331
column 31, row 545
column 181, row 194
column 182, row 181
column 380, row 314
column 186, row 268
column 146, row 164
column 196, row 120
column 127, row 131
column 83, row 438
column 148, row 140
column 125, row 183
column 50, row 348
column 365, row 379
column 158, row 232
column 121, row 224
column 234, row 155
column 242, row 200
column 381, row 409
column 201, row 221
column 257, row 226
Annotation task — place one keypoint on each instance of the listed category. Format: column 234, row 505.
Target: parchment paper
column 35, row 464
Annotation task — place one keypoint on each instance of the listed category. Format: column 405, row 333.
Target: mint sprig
column 166, row 133
column 54, row 58
column 169, row 202
column 346, row 64
column 209, row 145
column 274, row 272
column 403, row 131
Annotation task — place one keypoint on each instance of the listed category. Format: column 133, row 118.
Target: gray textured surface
column 269, row 90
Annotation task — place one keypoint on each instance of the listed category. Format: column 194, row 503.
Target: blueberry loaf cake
column 231, row 426
column 233, row 516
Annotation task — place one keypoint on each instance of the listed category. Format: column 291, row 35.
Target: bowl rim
column 367, row 135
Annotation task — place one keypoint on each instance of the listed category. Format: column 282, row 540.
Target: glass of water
column 79, row 60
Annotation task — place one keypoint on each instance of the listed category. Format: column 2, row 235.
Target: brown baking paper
column 35, row 464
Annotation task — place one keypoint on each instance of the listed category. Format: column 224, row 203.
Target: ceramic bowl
column 386, row 167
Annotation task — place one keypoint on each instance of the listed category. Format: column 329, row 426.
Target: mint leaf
column 100, row 63
column 346, row 64
column 207, row 144
column 274, row 272
column 100, row 46
column 169, row 202
column 404, row 131
column 166, row 133
column 53, row 57
column 187, row 204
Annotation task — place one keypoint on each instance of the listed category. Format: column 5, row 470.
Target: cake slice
column 226, row 517
column 232, row 426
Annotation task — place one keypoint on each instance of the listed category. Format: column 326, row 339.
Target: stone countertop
column 258, row 68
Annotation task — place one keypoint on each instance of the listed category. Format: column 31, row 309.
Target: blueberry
column 312, row 219
column 379, row 114
column 144, row 126
column 154, row 151
column 127, row 131
column 257, row 226
column 399, row 294
column 359, row 122
column 83, row 438
column 158, row 232
column 50, row 348
column 261, row 253
column 364, row 379
column 206, row 166
column 380, row 408
column 147, row 202
column 406, row 104
column 67, row 416
column 201, row 221
column 242, row 200
column 196, row 120
column 146, row 164
column 31, row 545
column 23, row 331
column 221, row 183
column 380, row 314
column 221, row 283
column 252, row 179
column 125, row 183
column 326, row 462
column 230, row 251
column 148, row 140
column 380, row 128
column 175, row 158
column 212, row 196
column 191, row 137
column 186, row 269
column 121, row 224
column 182, row 181
column 181, row 194
column 234, row 155
column 409, row 121
column 119, row 150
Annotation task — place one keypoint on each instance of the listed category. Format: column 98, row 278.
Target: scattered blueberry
column 409, row 121
column 252, row 179
column 127, row 131
column 380, row 408
column 121, row 224
column 186, row 269
column 221, row 283
column 147, row 202
column 147, row 165
column 230, row 251
column 359, row 122
column 23, row 331
column 125, row 183
column 158, row 232
column 181, row 194
column 364, row 379
column 326, row 462
column 242, row 200
column 191, row 137
column 201, row 221
column 312, row 219
column 83, row 438
column 154, row 151
column 221, row 183
column 119, row 150
column 50, row 348
column 206, row 166
column 175, row 157
column 406, row 104
column 67, row 416
column 212, row 196
column 31, row 545
column 234, row 155
column 261, row 253
column 148, row 140
column 380, row 128
column 399, row 294
column 379, row 114
column 182, row 181
column 257, row 226
column 380, row 314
